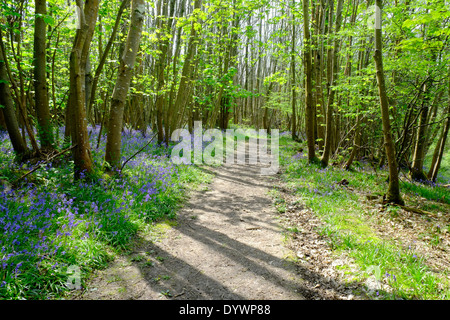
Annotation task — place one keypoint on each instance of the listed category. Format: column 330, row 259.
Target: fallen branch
column 137, row 152
column 43, row 163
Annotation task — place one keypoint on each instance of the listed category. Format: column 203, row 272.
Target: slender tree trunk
column 432, row 133
column 393, row 193
column 356, row 142
column 18, row 97
column 186, row 75
column 12, row 125
column 114, row 142
column 440, row 146
column 319, row 64
column 167, row 95
column 331, row 95
column 172, row 95
column 358, row 134
column 293, row 80
column 438, row 152
column 87, row 18
column 160, row 66
column 40, row 77
column 15, row 39
column 104, row 55
column 309, row 120
column 417, row 173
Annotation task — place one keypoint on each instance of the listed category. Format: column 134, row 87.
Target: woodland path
column 226, row 244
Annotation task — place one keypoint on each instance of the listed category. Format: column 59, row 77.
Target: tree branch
column 45, row 162
column 137, row 152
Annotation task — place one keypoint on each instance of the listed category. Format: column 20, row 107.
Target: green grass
column 434, row 193
column 348, row 224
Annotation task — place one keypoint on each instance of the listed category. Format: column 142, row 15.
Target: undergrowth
column 348, row 227
column 52, row 227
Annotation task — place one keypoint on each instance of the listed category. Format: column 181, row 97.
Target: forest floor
column 227, row 242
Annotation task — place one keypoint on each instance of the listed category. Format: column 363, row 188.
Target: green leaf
column 49, row 20
column 408, row 23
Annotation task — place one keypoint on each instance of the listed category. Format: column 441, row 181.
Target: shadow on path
column 227, row 244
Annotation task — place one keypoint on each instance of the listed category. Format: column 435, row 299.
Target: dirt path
column 227, row 244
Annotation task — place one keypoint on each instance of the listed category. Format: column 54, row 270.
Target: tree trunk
column 172, row 95
column 358, row 134
column 104, row 55
column 440, row 146
column 113, row 142
column 12, row 125
column 319, row 64
column 77, row 99
column 439, row 152
column 186, row 75
column 432, row 133
column 160, row 66
column 309, row 120
column 293, row 82
column 331, row 95
column 167, row 95
column 40, row 77
column 356, row 142
column 393, row 193
column 417, row 173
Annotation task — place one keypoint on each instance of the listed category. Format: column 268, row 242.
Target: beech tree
column 309, row 118
column 76, row 116
column 440, row 145
column 125, row 72
column 393, row 193
column 334, row 74
column 45, row 129
column 7, row 108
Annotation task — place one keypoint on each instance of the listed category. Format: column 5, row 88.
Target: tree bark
column 186, row 75
column 309, row 120
column 393, row 193
column 44, row 126
column 293, row 80
column 440, row 146
column 6, row 101
column 417, row 173
column 77, row 99
column 162, row 8
column 356, row 142
column 319, row 65
column 331, row 95
column 113, row 142
column 439, row 151
column 104, row 55
column 173, row 91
